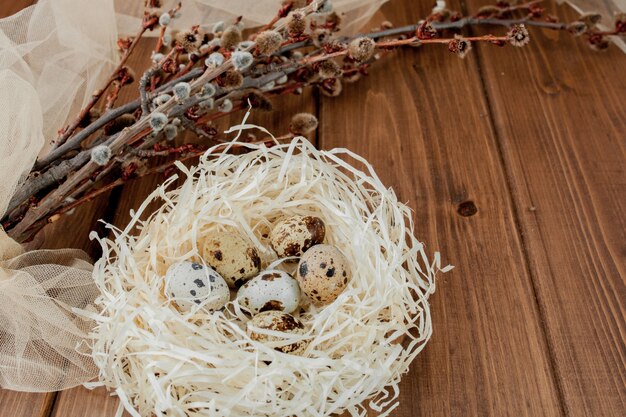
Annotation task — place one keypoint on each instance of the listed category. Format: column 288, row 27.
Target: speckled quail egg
column 232, row 255
column 323, row 273
column 189, row 283
column 295, row 235
column 270, row 290
column 280, row 322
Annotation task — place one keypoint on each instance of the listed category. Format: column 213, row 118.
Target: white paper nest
column 161, row 362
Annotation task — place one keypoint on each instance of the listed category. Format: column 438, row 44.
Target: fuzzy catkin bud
column 332, row 88
column 320, row 37
column 459, row 46
column 268, row 86
column 226, row 106
column 242, row 46
column 590, row 19
column 181, row 91
column 101, row 155
column 165, row 19
column 296, row 24
column 188, row 40
column 268, row 42
column 577, row 28
column 207, row 104
column 170, row 132
column 158, row 121
column 231, row 80
column 241, row 60
column 214, row 60
column 361, row 49
column 303, row 123
column 333, row 20
column 92, row 116
column 230, row 37
column 162, row 99
column 518, row 35
column 215, row 43
column 329, row 69
column 208, row 90
column 218, row 27
column 158, row 57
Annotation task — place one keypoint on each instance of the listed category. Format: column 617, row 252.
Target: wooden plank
column 22, row 404
column 560, row 118
column 80, row 401
column 421, row 120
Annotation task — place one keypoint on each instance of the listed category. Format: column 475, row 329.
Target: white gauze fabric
column 354, row 13
column 53, row 55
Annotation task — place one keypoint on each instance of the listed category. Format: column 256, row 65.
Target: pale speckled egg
column 323, row 273
column 232, row 255
column 280, row 322
column 270, row 290
column 295, row 235
column 189, row 284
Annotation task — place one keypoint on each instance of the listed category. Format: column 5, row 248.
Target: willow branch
column 75, row 141
column 98, row 93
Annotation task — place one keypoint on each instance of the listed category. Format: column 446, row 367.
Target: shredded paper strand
column 161, row 361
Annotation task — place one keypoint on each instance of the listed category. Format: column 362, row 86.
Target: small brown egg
column 323, row 273
column 280, row 322
column 232, row 256
column 295, row 235
column 271, row 290
column 189, row 284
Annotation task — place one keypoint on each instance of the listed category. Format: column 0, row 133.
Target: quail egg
column 280, row 322
column 294, row 235
column 323, row 273
column 270, row 290
column 232, row 255
column 189, row 283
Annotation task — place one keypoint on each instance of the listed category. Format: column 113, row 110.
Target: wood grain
column 514, row 161
column 560, row 118
column 421, row 119
column 22, row 404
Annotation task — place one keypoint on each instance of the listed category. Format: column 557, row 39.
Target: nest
column 162, row 362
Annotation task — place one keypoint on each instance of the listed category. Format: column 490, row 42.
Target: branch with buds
column 205, row 73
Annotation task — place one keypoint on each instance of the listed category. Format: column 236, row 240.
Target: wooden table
column 514, row 161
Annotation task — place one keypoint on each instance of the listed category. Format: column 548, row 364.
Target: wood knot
column 467, row 208
column 552, row 88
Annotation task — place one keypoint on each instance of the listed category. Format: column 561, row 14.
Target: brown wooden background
column 514, row 161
